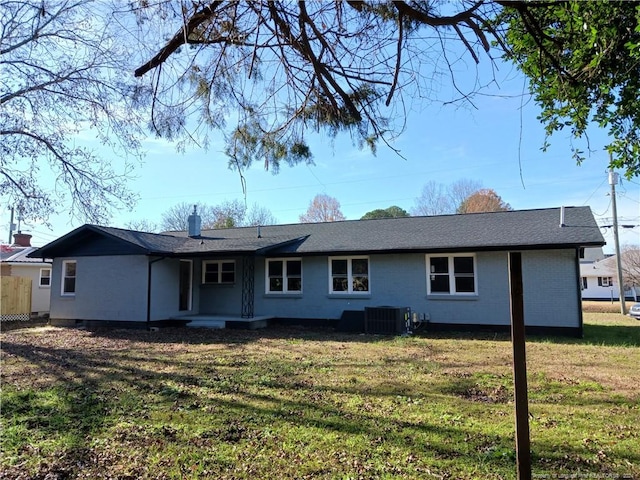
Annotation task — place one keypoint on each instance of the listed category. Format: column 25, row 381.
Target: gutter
column 428, row 250
column 151, row 262
column 28, row 264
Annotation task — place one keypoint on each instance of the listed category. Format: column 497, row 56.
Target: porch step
column 206, row 324
column 224, row 321
column 248, row 324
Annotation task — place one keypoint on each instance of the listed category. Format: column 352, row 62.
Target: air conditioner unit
column 387, row 320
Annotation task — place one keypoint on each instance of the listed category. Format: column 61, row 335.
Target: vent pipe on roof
column 259, row 235
column 562, row 216
column 195, row 222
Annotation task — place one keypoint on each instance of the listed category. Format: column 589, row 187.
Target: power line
column 594, row 192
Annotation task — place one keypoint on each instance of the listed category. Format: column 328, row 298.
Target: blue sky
column 497, row 144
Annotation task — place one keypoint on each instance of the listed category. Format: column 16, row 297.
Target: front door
column 185, row 284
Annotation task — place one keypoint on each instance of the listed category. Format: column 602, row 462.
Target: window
column 69, row 277
column 451, row 275
column 605, row 282
column 349, row 275
column 219, row 271
column 284, row 275
column 584, row 283
column 45, row 277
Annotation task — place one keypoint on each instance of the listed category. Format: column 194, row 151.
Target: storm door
column 186, row 267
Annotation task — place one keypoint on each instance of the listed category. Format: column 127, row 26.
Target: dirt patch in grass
column 605, row 306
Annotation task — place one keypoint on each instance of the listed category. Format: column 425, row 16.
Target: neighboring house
column 591, row 255
column 451, row 270
column 599, row 279
column 15, row 262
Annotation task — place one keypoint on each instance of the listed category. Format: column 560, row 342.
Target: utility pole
column 11, row 226
column 613, row 180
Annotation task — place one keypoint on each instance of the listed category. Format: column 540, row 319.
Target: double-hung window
column 605, row 281
column 45, row 277
column 349, row 275
column 69, row 277
column 284, row 275
column 219, row 272
column 451, row 275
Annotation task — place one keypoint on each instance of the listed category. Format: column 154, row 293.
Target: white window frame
column 219, row 280
column 48, row 277
column 584, row 283
column 285, row 276
column 63, row 292
column 606, row 282
column 350, row 290
column 452, row 274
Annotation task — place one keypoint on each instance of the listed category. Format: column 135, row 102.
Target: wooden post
column 523, row 448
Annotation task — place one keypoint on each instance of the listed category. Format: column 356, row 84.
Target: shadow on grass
column 95, row 390
column 619, row 335
column 604, row 335
column 6, row 326
column 234, row 337
column 593, row 334
column 140, row 398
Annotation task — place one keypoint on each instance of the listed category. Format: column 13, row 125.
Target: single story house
column 599, row 279
column 16, row 262
column 450, row 270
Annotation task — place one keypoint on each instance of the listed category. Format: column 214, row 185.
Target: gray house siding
column 119, row 292
column 165, row 289
column 401, row 280
column 550, row 284
column 549, row 299
column 114, row 289
column 394, row 280
column 221, row 299
column 315, row 301
column 489, row 307
column 107, row 287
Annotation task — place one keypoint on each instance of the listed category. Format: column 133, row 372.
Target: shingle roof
column 223, row 240
column 608, row 266
column 522, row 229
column 148, row 242
column 481, row 231
column 20, row 255
column 497, row 230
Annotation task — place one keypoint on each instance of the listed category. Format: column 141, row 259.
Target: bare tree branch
column 180, row 38
column 62, row 75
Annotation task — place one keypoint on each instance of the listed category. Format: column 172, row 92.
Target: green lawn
column 287, row 403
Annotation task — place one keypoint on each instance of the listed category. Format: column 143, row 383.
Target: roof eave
column 441, row 249
column 30, row 264
column 51, row 250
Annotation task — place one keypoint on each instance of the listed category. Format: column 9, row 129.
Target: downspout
column 579, row 292
column 149, row 290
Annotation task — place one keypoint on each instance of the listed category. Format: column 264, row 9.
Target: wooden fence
column 15, row 298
